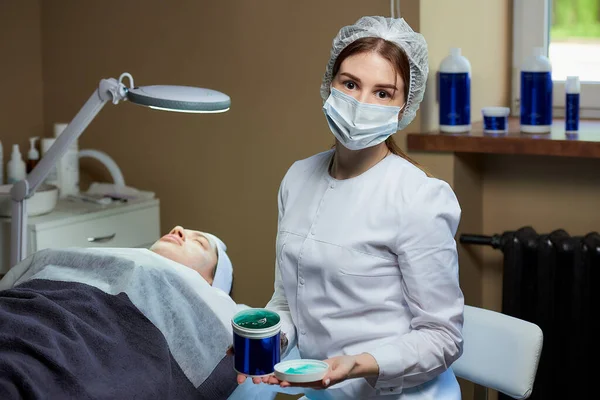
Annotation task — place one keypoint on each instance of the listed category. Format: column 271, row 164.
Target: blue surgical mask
column 359, row 125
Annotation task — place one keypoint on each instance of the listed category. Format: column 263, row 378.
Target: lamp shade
column 179, row 98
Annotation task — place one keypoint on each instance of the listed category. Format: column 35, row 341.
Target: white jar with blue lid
column 495, row 120
column 454, row 84
column 536, row 93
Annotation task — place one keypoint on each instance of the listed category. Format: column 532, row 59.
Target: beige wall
column 248, row 148
column 482, row 29
column 21, row 112
column 214, row 172
column 219, row 173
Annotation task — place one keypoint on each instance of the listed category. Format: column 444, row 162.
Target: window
column 569, row 31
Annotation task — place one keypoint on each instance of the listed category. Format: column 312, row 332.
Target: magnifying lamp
column 171, row 98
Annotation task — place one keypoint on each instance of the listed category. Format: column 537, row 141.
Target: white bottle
column 572, row 89
column 536, row 93
column 68, row 167
column 16, row 166
column 1, row 164
column 454, row 84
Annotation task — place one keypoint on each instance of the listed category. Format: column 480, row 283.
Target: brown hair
column 397, row 57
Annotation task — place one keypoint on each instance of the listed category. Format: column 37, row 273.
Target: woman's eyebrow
column 381, row 85
column 349, row 75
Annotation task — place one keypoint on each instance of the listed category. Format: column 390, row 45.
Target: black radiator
column 549, row 279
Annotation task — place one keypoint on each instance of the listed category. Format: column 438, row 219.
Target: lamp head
column 186, row 99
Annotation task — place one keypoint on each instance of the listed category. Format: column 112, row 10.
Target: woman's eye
column 382, row 94
column 350, row 85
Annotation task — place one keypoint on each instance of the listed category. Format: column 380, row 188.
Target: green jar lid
column 256, row 323
column 256, row 318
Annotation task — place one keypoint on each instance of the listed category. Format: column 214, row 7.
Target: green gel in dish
column 257, row 319
column 303, row 369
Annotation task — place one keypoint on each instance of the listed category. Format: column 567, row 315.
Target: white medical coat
column 369, row 264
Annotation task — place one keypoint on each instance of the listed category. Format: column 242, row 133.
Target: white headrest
column 224, row 273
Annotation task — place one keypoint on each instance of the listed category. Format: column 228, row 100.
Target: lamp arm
column 108, row 89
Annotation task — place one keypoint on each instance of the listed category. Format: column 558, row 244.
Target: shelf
column 556, row 143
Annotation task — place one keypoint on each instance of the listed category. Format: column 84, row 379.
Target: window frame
column 531, row 20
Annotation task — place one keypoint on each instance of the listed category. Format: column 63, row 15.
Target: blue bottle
column 455, row 93
column 536, row 93
column 572, row 89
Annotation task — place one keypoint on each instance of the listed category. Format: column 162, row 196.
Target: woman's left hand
column 340, row 369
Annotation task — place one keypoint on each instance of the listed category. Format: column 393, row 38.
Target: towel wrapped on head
column 224, row 270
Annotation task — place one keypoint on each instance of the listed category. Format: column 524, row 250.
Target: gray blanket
column 112, row 323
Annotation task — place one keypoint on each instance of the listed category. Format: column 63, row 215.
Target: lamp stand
column 108, row 89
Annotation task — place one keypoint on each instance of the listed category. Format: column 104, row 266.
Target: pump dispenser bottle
column 16, row 166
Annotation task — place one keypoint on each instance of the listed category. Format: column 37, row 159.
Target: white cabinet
column 79, row 224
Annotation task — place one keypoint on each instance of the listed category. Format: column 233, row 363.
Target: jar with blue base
column 495, row 120
column 256, row 341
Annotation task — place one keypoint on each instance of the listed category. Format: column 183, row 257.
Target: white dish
column 42, row 202
column 301, row 371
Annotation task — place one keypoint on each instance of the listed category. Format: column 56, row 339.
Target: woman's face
column 371, row 79
column 190, row 248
